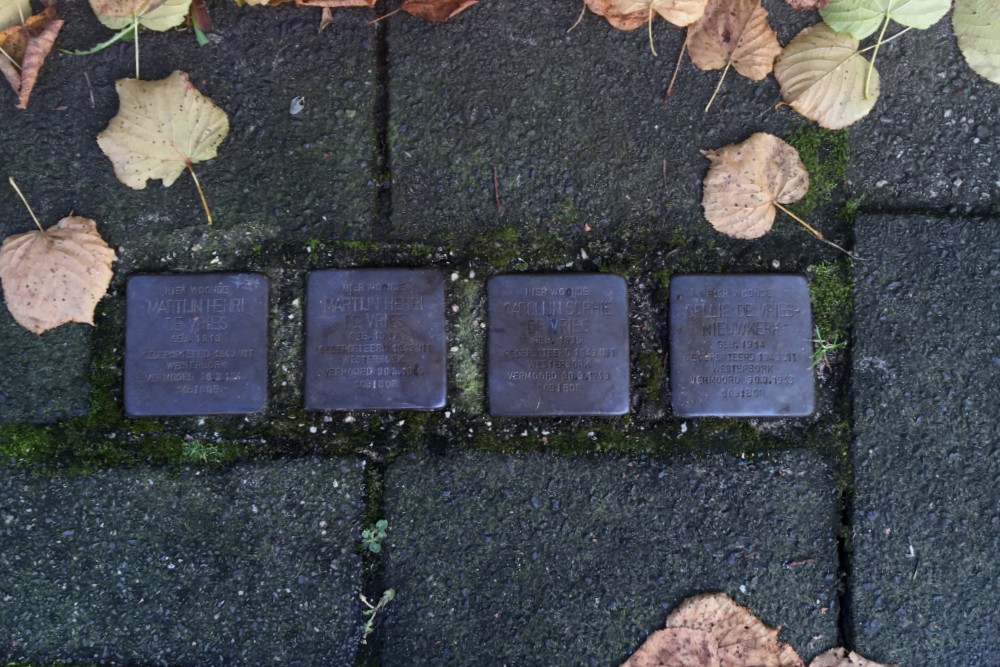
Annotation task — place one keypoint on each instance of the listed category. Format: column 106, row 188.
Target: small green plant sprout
column 198, row 451
column 372, row 611
column 371, row 538
column 824, row 346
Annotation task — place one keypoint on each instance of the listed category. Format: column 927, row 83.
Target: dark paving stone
column 927, row 441
column 572, row 122
column 932, row 139
column 306, row 175
column 253, row 565
column 544, row 560
column 45, row 378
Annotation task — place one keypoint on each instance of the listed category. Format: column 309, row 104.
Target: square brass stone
column 558, row 345
column 196, row 344
column 740, row 346
column 375, row 340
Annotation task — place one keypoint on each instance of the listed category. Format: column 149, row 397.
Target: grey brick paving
column 933, row 139
column 252, row 565
column 572, row 122
column 306, row 175
column 543, row 560
column 43, row 379
column 297, row 177
column 927, row 441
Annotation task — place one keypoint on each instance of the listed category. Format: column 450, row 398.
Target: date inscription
column 558, row 345
column 196, row 344
column 740, row 346
column 375, row 339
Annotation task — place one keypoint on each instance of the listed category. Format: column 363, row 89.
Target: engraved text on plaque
column 375, row 339
column 196, row 344
column 740, row 346
column 558, row 345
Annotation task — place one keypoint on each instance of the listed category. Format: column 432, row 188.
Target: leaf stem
column 871, row 63
column 815, row 232
column 26, row 204
column 583, row 10
column 135, row 27
column 649, row 25
column 9, row 57
column 718, row 86
column 379, row 19
column 884, row 41
column 201, row 193
column 124, row 33
column 677, row 68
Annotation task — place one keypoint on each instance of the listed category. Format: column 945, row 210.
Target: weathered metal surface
column 196, row 344
column 558, row 345
column 740, row 346
column 375, row 339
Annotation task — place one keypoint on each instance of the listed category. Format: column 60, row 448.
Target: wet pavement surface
column 252, row 565
column 926, row 437
column 502, row 142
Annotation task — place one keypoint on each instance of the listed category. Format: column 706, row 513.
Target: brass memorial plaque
column 740, row 346
column 558, row 345
column 196, row 344
column 375, row 340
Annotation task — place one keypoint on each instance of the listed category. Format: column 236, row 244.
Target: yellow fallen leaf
column 607, row 9
column 679, row 12
column 14, row 12
column 746, row 183
column 977, row 27
column 823, row 76
column 159, row 15
column 162, row 128
column 56, row 275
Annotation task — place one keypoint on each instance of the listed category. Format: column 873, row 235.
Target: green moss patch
column 825, row 154
column 831, row 289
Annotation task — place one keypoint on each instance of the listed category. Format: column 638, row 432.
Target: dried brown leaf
column 679, row 12
column 808, row 4
column 436, row 10
column 676, row 647
column 734, row 32
column 823, row 76
column 56, row 276
column 744, row 182
column 334, row 4
column 162, row 127
column 839, row 657
column 742, row 639
column 325, row 19
column 617, row 19
column 28, row 45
